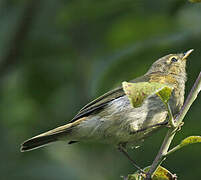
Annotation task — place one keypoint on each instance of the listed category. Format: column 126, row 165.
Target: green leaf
column 135, row 176
column 160, row 174
column 165, row 94
column 138, row 92
column 190, row 140
column 187, row 141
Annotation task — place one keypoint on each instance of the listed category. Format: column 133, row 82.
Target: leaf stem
column 185, row 142
column 163, row 152
column 173, row 150
column 171, row 118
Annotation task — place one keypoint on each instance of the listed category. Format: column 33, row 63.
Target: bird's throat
column 178, row 83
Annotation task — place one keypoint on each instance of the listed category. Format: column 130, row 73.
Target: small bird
column 112, row 119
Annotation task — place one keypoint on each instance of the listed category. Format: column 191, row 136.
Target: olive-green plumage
column 110, row 118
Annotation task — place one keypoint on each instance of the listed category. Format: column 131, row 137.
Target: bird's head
column 172, row 64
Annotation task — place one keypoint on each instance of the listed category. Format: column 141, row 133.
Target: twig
column 190, row 99
column 172, row 131
column 122, row 150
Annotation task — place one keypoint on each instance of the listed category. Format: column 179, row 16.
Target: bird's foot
column 180, row 125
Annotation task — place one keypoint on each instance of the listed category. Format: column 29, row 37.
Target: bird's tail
column 46, row 138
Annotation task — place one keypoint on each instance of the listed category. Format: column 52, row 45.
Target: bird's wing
column 99, row 103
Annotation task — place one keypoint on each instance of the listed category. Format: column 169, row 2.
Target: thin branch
column 122, row 150
column 190, row 99
column 172, row 131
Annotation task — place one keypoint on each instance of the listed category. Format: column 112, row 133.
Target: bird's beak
column 186, row 54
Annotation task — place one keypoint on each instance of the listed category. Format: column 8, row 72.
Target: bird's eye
column 174, row 59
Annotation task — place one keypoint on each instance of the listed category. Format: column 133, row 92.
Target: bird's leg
column 122, row 149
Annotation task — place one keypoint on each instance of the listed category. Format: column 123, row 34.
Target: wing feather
column 99, row 103
column 102, row 101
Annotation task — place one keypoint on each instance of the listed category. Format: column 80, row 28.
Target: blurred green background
column 55, row 56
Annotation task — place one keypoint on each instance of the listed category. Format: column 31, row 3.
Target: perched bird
column 112, row 119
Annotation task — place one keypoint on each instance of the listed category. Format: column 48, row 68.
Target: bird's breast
column 120, row 122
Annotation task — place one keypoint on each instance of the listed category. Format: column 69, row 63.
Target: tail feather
column 46, row 138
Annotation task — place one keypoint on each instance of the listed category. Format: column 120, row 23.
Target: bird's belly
column 119, row 122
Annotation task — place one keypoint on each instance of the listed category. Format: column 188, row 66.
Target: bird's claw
column 180, row 125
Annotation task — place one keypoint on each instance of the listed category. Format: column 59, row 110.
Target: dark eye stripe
column 174, row 59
